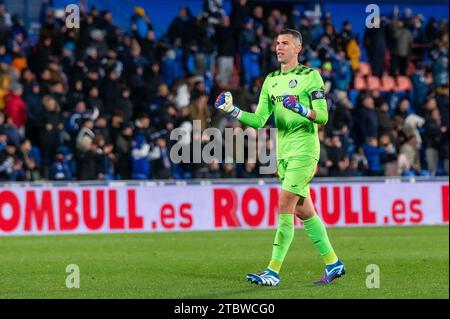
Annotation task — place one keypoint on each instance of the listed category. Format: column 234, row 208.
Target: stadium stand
column 99, row 102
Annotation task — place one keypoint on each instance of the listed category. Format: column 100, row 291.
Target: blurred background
column 98, row 102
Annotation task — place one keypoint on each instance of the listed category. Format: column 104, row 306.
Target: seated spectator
column 7, row 161
column 213, row 170
column 344, row 168
column 410, row 151
column 359, row 161
column 31, row 158
column 389, row 159
column 60, row 170
column 140, row 162
column 324, row 163
column 249, row 169
column 336, row 154
column 373, row 154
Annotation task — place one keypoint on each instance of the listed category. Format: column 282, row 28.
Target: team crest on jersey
column 292, row 83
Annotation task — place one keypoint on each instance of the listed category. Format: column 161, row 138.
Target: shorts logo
column 292, row 83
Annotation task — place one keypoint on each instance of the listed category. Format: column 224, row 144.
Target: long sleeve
column 263, row 111
column 317, row 96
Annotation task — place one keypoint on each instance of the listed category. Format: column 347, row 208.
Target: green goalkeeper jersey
column 297, row 135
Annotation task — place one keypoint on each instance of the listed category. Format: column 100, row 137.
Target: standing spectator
column 239, row 12
column 345, row 36
column 5, row 19
column 434, row 132
column 247, row 37
column 439, row 56
column 94, row 102
column 401, row 49
column 33, row 102
column 343, row 72
column 384, row 119
column 86, row 136
column 50, row 126
column 181, row 26
column 421, row 88
column 140, row 23
column 15, row 108
column 76, row 94
column 125, row 106
column 111, row 91
column 214, row 11
column 225, row 52
column 89, row 165
column 123, row 152
column 199, row 110
column 375, row 44
column 251, row 65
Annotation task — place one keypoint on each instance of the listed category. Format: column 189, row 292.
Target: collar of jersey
column 290, row 70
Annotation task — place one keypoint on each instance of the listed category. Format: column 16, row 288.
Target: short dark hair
column 294, row 33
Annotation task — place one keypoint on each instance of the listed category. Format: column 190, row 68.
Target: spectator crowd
column 99, row 102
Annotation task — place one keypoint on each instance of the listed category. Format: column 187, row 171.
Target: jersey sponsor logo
column 292, row 83
column 320, row 94
column 279, row 98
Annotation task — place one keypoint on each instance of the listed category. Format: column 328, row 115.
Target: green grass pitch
column 413, row 262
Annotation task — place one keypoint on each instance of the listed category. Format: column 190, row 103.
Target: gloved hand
column 290, row 102
column 224, row 102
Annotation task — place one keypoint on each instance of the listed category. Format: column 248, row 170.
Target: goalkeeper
column 295, row 95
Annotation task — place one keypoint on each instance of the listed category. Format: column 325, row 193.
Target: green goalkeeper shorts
column 295, row 174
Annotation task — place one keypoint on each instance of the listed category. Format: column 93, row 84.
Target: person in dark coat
column 366, row 121
column 50, row 125
column 375, row 44
column 123, row 146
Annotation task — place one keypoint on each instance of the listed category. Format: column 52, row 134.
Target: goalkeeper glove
column 290, row 102
column 224, row 102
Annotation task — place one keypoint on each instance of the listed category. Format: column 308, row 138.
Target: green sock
column 318, row 235
column 283, row 239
